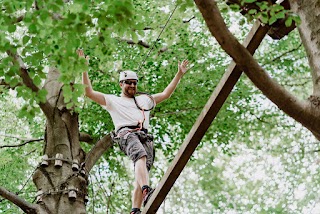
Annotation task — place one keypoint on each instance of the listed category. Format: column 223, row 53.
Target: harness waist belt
column 133, row 127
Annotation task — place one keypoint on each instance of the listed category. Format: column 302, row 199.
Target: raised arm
column 89, row 92
column 167, row 92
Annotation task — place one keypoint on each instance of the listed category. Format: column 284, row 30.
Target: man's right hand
column 96, row 96
column 81, row 54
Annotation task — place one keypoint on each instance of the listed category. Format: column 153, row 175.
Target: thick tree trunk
column 309, row 12
column 61, row 137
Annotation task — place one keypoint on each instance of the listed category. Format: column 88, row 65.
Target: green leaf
column 78, row 91
column 280, row 15
column 81, row 28
column 263, row 5
column 134, row 37
column 264, row 17
column 67, row 93
column 25, row 39
column 288, row 22
column 37, row 80
column 64, row 78
column 272, row 20
column 12, row 28
column 296, row 19
column 42, row 95
column 14, row 82
column 249, row 1
column 252, row 11
column 44, row 15
column 32, row 28
column 234, row 7
column 23, row 111
column 69, row 105
column 35, row 40
column 277, row 7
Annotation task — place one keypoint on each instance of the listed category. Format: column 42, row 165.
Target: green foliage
column 50, row 36
column 18, row 163
column 266, row 12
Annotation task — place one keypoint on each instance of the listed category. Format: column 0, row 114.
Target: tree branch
column 24, row 205
column 95, row 153
column 302, row 111
column 187, row 21
column 14, row 136
column 143, row 44
column 23, row 72
column 281, row 55
column 84, row 137
column 140, row 42
column 27, row 81
column 21, row 144
column 2, row 82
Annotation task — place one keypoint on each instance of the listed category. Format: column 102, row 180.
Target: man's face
column 129, row 87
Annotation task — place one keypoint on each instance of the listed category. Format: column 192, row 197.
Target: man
column 130, row 115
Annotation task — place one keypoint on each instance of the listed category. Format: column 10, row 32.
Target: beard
column 130, row 92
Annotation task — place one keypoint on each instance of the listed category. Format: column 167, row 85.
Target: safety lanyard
column 140, row 123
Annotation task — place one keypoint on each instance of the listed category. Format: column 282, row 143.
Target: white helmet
column 128, row 75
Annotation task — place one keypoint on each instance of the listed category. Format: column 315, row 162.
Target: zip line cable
column 154, row 43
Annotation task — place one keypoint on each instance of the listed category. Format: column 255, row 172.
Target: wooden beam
column 203, row 122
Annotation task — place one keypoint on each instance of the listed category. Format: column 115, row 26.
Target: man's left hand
column 183, row 66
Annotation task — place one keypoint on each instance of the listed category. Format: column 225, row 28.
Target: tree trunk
column 309, row 12
column 61, row 137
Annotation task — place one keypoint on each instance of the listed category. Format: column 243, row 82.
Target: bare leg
column 141, row 178
column 141, row 173
column 136, row 196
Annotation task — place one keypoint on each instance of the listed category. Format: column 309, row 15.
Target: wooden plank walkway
column 203, row 122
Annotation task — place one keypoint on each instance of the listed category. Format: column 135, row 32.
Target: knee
column 143, row 159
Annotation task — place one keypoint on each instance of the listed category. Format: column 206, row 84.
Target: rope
column 93, row 196
column 24, row 185
column 144, row 60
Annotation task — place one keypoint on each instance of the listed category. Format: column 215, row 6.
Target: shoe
column 135, row 211
column 147, row 195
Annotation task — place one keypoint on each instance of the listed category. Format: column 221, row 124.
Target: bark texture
column 62, row 187
column 61, row 137
column 309, row 12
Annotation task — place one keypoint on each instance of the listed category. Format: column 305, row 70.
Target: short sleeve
column 151, row 102
column 108, row 99
column 146, row 102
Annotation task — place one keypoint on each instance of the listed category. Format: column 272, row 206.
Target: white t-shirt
column 124, row 111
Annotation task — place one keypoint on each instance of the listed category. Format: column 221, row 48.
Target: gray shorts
column 137, row 145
